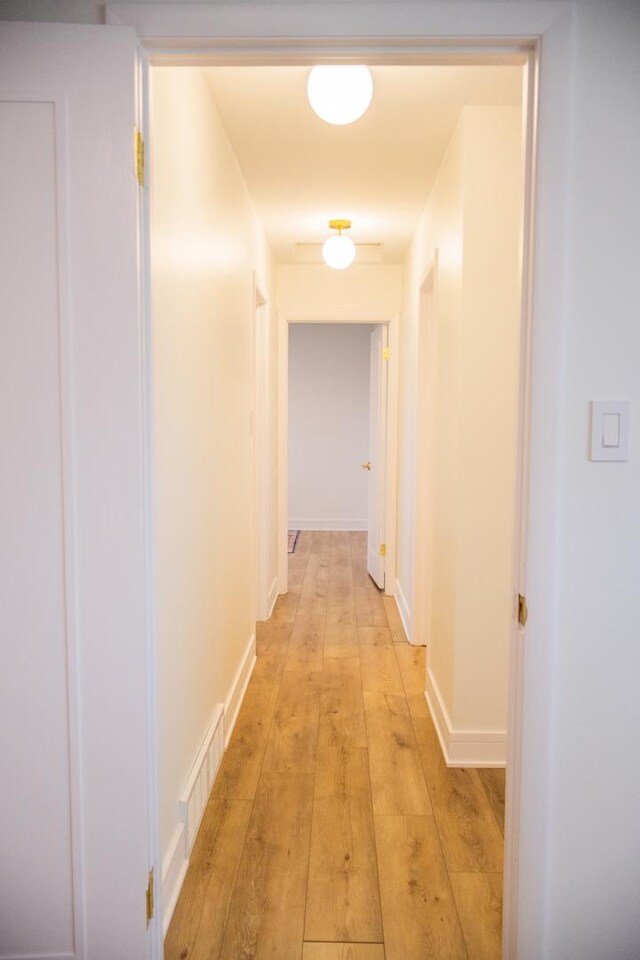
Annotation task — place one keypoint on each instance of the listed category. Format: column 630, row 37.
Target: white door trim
column 261, row 435
column 194, row 33
column 433, row 32
column 521, row 520
column 376, row 480
column 421, row 587
column 143, row 119
column 392, row 323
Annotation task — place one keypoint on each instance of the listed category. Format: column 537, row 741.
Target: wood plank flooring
column 335, row 831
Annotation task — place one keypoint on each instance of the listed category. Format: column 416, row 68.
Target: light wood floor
column 334, row 830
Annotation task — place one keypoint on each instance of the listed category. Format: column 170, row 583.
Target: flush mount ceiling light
column 338, row 251
column 340, row 94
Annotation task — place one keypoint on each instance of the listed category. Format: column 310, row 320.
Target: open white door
column 74, row 839
column 376, row 548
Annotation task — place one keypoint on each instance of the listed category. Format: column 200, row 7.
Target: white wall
column 594, row 858
column 317, row 291
column 206, row 244
column 441, row 229
column 473, row 221
column 328, row 425
column 489, row 375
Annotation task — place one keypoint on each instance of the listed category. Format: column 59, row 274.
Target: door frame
column 418, row 633
column 143, row 122
column 391, row 448
column 513, row 799
column 380, row 424
column 197, row 35
column 265, row 594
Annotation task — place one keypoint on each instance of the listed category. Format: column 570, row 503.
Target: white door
column 74, row 836
column 377, row 455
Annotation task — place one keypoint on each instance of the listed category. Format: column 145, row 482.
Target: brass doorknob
column 367, row 465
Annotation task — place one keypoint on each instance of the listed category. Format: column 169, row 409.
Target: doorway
column 391, row 485
column 378, row 512
column 337, row 390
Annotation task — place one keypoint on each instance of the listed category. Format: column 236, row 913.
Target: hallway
column 333, row 820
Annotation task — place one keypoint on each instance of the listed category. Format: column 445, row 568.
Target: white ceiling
column 377, row 172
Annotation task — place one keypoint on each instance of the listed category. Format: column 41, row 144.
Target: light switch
column 610, row 430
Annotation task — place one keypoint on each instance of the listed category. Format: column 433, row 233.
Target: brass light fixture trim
column 339, row 225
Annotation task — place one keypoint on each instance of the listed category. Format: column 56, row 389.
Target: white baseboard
column 403, row 610
column 331, row 524
column 174, row 869
column 196, row 792
column 238, row 687
column 273, row 596
column 464, row 748
column 191, row 806
column 194, row 797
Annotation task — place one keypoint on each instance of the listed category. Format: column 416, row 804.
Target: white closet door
column 74, row 834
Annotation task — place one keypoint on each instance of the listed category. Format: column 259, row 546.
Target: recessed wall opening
column 328, row 412
column 244, row 180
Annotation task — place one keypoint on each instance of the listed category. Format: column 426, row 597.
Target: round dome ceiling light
column 340, row 94
column 338, row 251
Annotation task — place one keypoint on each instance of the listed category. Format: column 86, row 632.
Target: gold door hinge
column 383, row 549
column 138, row 156
column 523, row 611
column 149, row 898
column 386, row 353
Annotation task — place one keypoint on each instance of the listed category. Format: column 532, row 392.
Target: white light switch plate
column 609, row 429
